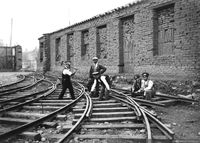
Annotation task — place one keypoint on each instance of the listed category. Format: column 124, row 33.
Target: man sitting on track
column 147, row 87
column 104, row 81
column 136, row 85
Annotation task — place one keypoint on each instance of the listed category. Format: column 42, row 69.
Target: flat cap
column 94, row 58
column 136, row 76
column 145, row 74
column 95, row 73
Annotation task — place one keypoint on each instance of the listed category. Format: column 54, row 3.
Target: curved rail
column 39, row 121
column 167, row 132
column 10, row 84
column 84, row 116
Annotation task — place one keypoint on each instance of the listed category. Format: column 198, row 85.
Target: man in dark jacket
column 95, row 67
column 66, row 81
column 104, row 80
column 136, row 85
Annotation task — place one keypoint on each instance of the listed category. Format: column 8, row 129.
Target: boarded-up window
column 85, row 45
column 165, row 28
column 128, row 38
column 102, row 51
column 57, row 45
column 41, row 51
column 70, row 46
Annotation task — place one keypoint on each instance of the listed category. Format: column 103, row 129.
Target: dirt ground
column 183, row 118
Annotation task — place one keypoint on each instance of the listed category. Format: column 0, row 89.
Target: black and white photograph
column 100, row 71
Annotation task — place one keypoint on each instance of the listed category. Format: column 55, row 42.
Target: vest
column 65, row 78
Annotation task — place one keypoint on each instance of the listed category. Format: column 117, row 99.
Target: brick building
column 158, row 36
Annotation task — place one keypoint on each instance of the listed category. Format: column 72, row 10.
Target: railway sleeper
column 114, row 119
column 108, row 126
column 139, row 138
column 96, row 110
column 31, row 115
column 109, row 114
column 25, row 121
column 30, row 136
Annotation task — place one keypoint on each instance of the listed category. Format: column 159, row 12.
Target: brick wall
column 158, row 36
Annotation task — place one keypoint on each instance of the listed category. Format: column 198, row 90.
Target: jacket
column 101, row 69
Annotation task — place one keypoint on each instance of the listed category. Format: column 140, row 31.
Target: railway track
column 161, row 98
column 25, row 92
column 17, row 86
column 119, row 119
column 42, row 111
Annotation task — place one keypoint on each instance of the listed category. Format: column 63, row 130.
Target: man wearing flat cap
column 95, row 67
column 147, row 87
column 104, row 80
column 66, row 79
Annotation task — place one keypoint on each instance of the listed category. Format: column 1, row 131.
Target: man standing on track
column 95, row 67
column 66, row 80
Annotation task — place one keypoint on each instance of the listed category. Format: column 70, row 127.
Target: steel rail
column 23, row 97
column 52, row 89
column 23, row 88
column 23, row 127
column 135, row 105
column 89, row 112
column 12, row 89
column 161, row 126
column 15, row 88
column 145, row 119
column 148, row 128
column 10, row 84
column 131, row 105
column 140, row 107
column 86, row 112
column 9, row 91
column 30, row 125
column 26, row 102
column 39, row 74
column 166, row 96
column 168, row 133
column 144, row 102
column 139, row 110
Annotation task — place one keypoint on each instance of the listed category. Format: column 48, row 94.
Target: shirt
column 95, row 67
column 147, row 85
column 67, row 71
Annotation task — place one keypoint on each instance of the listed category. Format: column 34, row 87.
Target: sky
column 22, row 22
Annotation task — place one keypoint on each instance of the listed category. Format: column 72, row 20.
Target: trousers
column 66, row 85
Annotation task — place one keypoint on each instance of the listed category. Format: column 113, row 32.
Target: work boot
column 101, row 94
column 107, row 95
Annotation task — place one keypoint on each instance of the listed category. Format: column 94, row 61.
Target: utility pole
column 69, row 16
column 69, row 12
column 12, row 57
column 11, row 33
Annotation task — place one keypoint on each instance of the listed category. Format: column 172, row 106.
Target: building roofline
column 100, row 15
